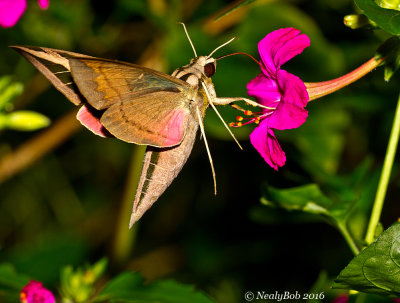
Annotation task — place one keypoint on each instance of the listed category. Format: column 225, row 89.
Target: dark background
column 68, row 207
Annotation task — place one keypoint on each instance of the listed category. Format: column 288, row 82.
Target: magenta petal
column 44, row 4
column 265, row 142
column 341, row 299
column 11, row 11
column 280, row 46
column 265, row 90
column 34, row 292
column 294, row 90
column 287, row 116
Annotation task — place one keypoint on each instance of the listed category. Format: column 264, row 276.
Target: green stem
column 349, row 239
column 124, row 237
column 361, row 297
column 384, row 179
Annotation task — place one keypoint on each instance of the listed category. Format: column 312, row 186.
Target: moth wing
column 159, row 119
column 54, row 65
column 98, row 84
column 105, row 83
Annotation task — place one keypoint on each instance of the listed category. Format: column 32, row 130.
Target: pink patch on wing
column 91, row 122
column 173, row 131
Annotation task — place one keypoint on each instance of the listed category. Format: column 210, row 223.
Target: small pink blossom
column 34, row 292
column 12, row 10
column 284, row 93
column 344, row 298
column 44, row 4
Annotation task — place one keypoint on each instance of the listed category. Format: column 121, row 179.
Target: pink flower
column 34, row 292
column 284, row 93
column 12, row 10
column 344, row 298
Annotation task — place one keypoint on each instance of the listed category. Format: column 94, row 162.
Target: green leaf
column 128, row 287
column 99, row 268
column 11, row 283
column 377, row 268
column 310, row 199
column 8, row 91
column 386, row 19
column 391, row 50
column 9, row 278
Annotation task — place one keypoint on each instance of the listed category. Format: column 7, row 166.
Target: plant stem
column 124, row 237
column 384, row 179
column 38, row 146
column 349, row 239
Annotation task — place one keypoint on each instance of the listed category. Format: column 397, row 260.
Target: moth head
column 206, row 65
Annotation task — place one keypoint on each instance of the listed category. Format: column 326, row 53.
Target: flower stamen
column 254, row 117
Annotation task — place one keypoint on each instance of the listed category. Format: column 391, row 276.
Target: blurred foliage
column 78, row 285
column 64, row 209
column 128, row 285
column 19, row 120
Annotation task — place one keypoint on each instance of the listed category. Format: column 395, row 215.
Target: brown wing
column 159, row 119
column 122, row 87
column 54, row 65
column 104, row 82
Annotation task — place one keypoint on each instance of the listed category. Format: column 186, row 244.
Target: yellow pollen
column 239, row 124
column 239, row 118
column 248, row 112
column 22, row 297
column 232, row 124
column 257, row 121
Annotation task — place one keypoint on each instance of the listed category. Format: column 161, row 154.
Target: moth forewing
column 54, row 65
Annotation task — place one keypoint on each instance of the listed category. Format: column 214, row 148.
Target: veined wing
column 158, row 118
column 105, row 82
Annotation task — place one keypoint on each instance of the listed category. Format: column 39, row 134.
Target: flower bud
column 357, row 21
column 389, row 4
column 23, row 120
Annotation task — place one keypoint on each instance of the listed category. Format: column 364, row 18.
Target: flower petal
column 265, row 90
column 34, row 292
column 44, row 4
column 280, row 46
column 287, row 116
column 11, row 11
column 265, row 142
column 293, row 89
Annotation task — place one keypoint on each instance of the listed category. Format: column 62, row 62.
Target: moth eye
column 209, row 69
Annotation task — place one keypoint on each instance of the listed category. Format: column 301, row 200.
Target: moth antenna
column 190, row 40
column 208, row 150
column 218, row 114
column 222, row 45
